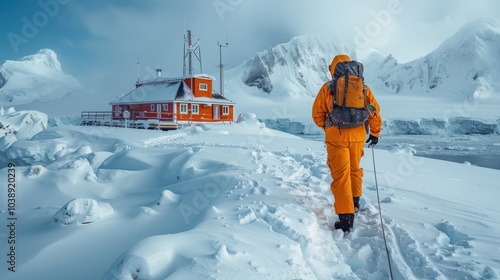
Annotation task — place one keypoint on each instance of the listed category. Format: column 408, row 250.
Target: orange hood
column 337, row 59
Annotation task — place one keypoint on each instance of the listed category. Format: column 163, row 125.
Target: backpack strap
column 333, row 87
column 364, row 94
column 346, row 86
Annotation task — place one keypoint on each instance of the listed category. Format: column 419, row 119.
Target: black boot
column 356, row 204
column 345, row 222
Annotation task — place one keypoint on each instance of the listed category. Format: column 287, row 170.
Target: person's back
column 345, row 139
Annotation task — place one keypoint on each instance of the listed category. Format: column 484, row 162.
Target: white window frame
column 118, row 110
column 152, row 107
column 165, row 107
column 203, row 87
column 195, row 109
column 184, row 108
column 225, row 110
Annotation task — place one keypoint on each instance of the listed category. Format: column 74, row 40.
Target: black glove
column 372, row 141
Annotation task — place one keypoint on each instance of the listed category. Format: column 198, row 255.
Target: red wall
column 205, row 114
column 143, row 111
column 194, row 84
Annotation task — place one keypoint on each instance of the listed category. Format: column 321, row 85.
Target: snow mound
column 54, row 148
column 249, row 118
column 168, row 198
column 454, row 236
column 23, row 124
column 157, row 257
column 81, row 211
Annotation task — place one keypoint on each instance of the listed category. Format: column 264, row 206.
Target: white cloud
column 406, row 28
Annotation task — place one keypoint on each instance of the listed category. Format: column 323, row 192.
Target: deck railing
column 146, row 119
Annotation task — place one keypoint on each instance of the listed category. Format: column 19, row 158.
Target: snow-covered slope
column 465, row 66
column 34, row 78
column 19, row 126
column 298, row 67
column 235, row 201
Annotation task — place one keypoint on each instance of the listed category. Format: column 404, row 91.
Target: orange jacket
column 322, row 106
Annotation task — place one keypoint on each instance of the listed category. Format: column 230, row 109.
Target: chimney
column 158, row 72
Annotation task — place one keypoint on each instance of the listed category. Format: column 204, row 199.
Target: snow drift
column 238, row 201
column 20, row 126
column 81, row 211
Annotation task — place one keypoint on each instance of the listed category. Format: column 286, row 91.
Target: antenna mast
column 221, row 66
column 188, row 53
column 138, row 66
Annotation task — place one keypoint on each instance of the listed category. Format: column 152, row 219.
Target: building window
column 203, row 87
column 118, row 111
column 184, row 108
column 195, row 108
column 225, row 110
column 153, row 107
column 165, row 107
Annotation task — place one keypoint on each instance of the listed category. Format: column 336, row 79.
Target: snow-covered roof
column 155, row 93
column 175, row 79
column 169, row 91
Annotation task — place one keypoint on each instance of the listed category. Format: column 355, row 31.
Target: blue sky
column 96, row 41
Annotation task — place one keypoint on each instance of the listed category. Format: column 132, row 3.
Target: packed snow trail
column 363, row 250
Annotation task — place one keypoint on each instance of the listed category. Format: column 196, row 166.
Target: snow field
column 240, row 201
column 243, row 201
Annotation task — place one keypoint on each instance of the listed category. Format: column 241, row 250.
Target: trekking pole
column 380, row 213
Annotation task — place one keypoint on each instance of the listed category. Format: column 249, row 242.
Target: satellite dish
column 126, row 114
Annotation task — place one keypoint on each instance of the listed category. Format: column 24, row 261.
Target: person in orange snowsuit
column 345, row 147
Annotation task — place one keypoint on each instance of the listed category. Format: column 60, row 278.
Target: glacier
column 424, row 126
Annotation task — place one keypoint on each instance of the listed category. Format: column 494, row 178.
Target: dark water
column 480, row 150
column 489, row 161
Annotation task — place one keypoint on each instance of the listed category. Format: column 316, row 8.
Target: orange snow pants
column 347, row 175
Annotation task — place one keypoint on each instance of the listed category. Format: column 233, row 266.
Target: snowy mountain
column 298, row 67
column 464, row 66
column 34, row 78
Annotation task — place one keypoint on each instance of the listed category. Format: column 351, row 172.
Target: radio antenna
column 138, row 63
column 221, row 66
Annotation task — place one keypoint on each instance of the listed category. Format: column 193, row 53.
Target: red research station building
column 168, row 102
